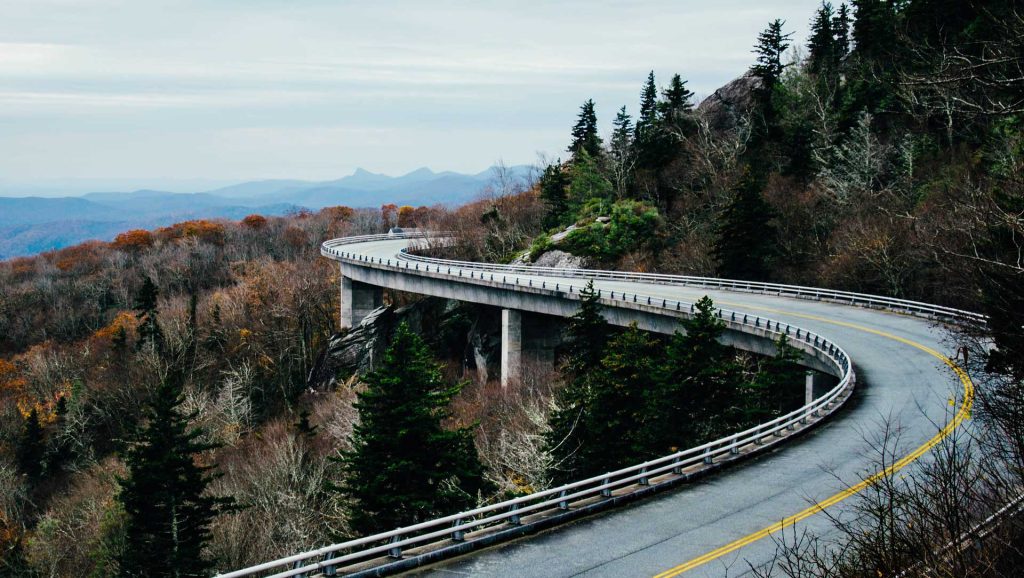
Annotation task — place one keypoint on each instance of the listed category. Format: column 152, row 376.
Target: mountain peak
column 421, row 172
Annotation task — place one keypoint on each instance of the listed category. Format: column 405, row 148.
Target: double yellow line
column 962, row 413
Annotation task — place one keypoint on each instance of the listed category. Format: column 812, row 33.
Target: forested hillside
column 883, row 157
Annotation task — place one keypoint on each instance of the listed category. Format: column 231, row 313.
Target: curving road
column 720, row 526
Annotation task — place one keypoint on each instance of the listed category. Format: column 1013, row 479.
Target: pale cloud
column 239, row 89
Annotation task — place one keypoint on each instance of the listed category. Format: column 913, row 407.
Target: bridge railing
column 938, row 312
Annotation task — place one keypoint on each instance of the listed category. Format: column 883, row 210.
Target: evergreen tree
column 150, row 333
column 699, row 381
column 165, row 494
column 553, row 184
column 584, row 133
column 676, row 100
column 648, row 119
column 404, row 467
column 587, row 336
column 652, row 144
column 771, row 48
column 746, row 236
column 588, row 185
column 31, row 446
column 841, row 31
column 616, row 419
column 767, row 131
column 822, row 50
column 873, row 29
column 779, row 385
column 587, row 333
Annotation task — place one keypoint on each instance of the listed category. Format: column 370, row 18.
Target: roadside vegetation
column 884, row 157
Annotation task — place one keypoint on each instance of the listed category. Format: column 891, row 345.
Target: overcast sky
column 181, row 94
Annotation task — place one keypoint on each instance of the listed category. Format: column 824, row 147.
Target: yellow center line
column 961, row 415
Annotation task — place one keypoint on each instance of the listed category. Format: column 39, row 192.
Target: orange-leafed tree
column 134, row 240
column 255, row 221
column 406, row 216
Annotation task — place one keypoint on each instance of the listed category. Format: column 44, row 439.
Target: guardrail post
column 606, row 492
column 644, row 481
column 396, row 551
column 458, row 535
column 677, row 470
column 514, row 519
column 758, row 439
column 563, row 504
column 708, row 458
column 299, row 564
column 331, row 569
column 735, row 449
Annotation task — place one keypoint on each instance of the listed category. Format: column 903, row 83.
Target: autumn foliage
column 134, row 240
column 255, row 221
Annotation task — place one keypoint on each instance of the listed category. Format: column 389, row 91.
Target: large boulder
column 730, row 103
column 560, row 260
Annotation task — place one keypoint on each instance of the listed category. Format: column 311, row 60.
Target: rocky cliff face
column 471, row 332
column 729, row 104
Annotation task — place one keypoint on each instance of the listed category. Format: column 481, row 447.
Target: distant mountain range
column 30, row 225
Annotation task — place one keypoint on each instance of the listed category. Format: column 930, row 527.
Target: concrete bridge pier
column 527, row 340
column 817, row 384
column 358, row 300
column 511, row 346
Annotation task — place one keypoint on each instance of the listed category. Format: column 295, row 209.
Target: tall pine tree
column 587, row 336
column 699, row 382
column 770, row 50
column 584, row 132
column 676, row 101
column 165, row 498
column 30, row 446
column 747, row 239
column 554, row 183
column 648, row 119
column 822, row 57
column 617, row 418
column 404, row 466
column 841, row 31
column 150, row 334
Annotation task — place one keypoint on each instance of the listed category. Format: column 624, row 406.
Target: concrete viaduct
column 782, row 473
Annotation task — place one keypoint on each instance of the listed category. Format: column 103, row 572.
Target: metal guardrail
column 845, row 297
column 455, row 528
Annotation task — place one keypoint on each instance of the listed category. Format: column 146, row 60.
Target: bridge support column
column 358, row 300
column 511, row 346
column 816, row 385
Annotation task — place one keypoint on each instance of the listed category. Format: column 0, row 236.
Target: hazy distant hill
column 29, row 225
column 366, row 189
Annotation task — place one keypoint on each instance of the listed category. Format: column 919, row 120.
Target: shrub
column 632, row 226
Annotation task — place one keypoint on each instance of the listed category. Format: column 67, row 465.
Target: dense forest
column 883, row 157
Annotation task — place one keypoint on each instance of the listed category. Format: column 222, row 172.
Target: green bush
column 539, row 246
column 632, row 226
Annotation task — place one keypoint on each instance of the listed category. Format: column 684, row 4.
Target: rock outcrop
column 729, row 104
column 448, row 326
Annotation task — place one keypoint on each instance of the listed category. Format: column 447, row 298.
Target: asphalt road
column 898, row 383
